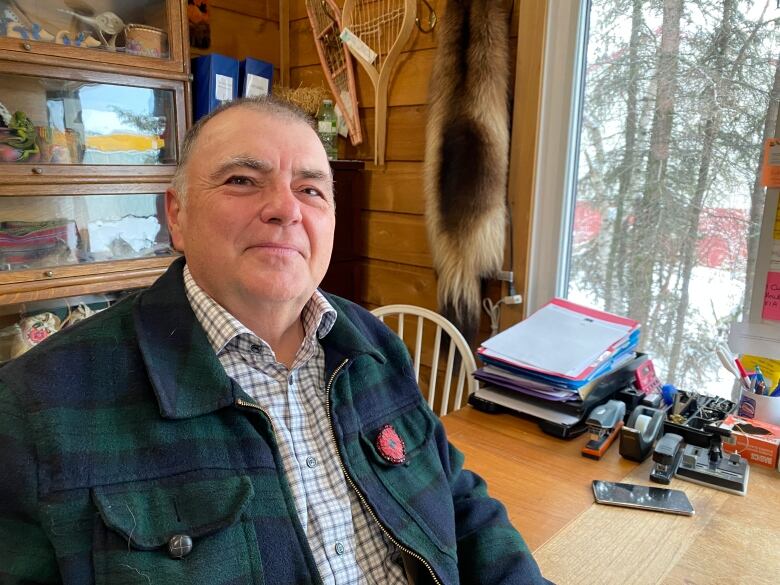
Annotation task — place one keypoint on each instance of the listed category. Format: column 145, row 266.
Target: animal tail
column 467, row 155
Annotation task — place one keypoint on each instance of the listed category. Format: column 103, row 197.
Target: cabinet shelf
column 89, row 144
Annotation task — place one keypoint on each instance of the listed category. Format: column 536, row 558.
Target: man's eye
column 238, row 180
column 311, row 191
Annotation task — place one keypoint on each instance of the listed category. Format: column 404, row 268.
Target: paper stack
column 559, row 353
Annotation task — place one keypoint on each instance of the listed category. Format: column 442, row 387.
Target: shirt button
column 311, row 461
column 254, row 348
column 179, row 546
column 339, row 549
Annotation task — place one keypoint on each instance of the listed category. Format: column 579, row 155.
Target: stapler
column 604, row 424
column 666, row 455
column 638, row 436
column 707, row 466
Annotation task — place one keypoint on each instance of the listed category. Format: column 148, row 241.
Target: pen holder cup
column 760, row 407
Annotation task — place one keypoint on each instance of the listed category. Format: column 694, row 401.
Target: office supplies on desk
column 756, row 441
column 707, row 465
column 604, row 424
column 757, row 406
column 639, row 434
column 732, row 364
column 666, row 458
column 564, row 419
column 562, row 339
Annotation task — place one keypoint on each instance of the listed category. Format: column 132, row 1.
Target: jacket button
column 179, row 546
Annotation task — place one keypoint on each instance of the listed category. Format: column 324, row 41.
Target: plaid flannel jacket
column 125, row 431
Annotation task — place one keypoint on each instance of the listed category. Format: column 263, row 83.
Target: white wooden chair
column 425, row 351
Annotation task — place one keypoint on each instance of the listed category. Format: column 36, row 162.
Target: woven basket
column 147, row 41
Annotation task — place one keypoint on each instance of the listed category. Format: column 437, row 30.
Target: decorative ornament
column 390, row 445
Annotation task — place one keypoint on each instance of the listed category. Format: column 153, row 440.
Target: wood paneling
column 241, row 35
column 405, row 134
column 396, row 187
column 385, row 283
column 265, row 9
column 395, row 237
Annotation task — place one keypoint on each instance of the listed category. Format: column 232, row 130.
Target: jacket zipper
column 353, row 485
column 255, row 406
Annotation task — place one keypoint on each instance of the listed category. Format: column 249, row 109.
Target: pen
column 742, row 372
column 760, row 382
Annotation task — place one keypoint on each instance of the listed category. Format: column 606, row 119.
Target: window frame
column 561, row 105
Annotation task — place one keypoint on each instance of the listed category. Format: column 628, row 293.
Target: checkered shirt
column 348, row 546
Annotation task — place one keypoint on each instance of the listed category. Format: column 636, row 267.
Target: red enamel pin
column 390, row 445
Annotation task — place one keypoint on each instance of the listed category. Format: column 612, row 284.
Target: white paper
column 256, row 86
column 755, row 339
column 223, row 89
column 556, row 339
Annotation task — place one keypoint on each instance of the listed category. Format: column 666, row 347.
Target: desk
column 546, row 486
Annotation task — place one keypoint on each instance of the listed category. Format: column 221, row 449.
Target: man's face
column 258, row 223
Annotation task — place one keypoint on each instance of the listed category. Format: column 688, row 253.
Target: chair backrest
column 427, row 327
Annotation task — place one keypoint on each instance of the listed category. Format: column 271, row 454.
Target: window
column 666, row 106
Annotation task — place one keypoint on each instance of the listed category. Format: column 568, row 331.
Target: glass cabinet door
column 67, row 122
column 49, row 232
column 100, row 30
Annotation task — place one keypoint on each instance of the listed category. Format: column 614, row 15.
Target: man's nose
column 281, row 206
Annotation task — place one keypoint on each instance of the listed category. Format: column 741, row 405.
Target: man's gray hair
column 270, row 105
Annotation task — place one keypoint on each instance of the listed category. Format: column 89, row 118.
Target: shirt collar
column 317, row 316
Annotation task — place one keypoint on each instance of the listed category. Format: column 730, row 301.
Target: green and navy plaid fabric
column 124, row 431
column 346, row 552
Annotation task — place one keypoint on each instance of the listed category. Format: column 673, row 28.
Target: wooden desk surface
column 546, row 485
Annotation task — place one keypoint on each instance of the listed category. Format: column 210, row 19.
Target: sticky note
column 772, row 297
column 770, row 172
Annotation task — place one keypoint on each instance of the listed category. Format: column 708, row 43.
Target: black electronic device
column 641, row 496
column 641, row 431
column 666, row 457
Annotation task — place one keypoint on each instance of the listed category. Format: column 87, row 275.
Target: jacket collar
column 187, row 377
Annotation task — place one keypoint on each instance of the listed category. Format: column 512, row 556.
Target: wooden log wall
column 244, row 28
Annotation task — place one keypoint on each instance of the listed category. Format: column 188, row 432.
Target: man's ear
column 174, row 213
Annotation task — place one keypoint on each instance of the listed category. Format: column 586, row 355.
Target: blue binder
column 255, row 77
column 215, row 81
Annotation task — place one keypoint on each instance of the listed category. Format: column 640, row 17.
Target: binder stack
column 558, row 364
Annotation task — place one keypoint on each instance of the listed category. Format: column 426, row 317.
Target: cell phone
column 641, row 496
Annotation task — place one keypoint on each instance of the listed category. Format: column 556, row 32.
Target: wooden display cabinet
column 96, row 106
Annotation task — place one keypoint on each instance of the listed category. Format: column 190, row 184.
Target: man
column 232, row 424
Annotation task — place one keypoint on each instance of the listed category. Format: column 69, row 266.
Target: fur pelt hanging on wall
column 466, row 154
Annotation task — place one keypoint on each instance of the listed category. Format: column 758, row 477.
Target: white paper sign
column 256, row 86
column 223, row 89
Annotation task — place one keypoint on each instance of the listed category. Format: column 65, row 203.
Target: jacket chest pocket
column 176, row 530
column 418, row 482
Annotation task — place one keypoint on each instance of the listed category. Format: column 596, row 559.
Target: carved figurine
column 105, row 23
